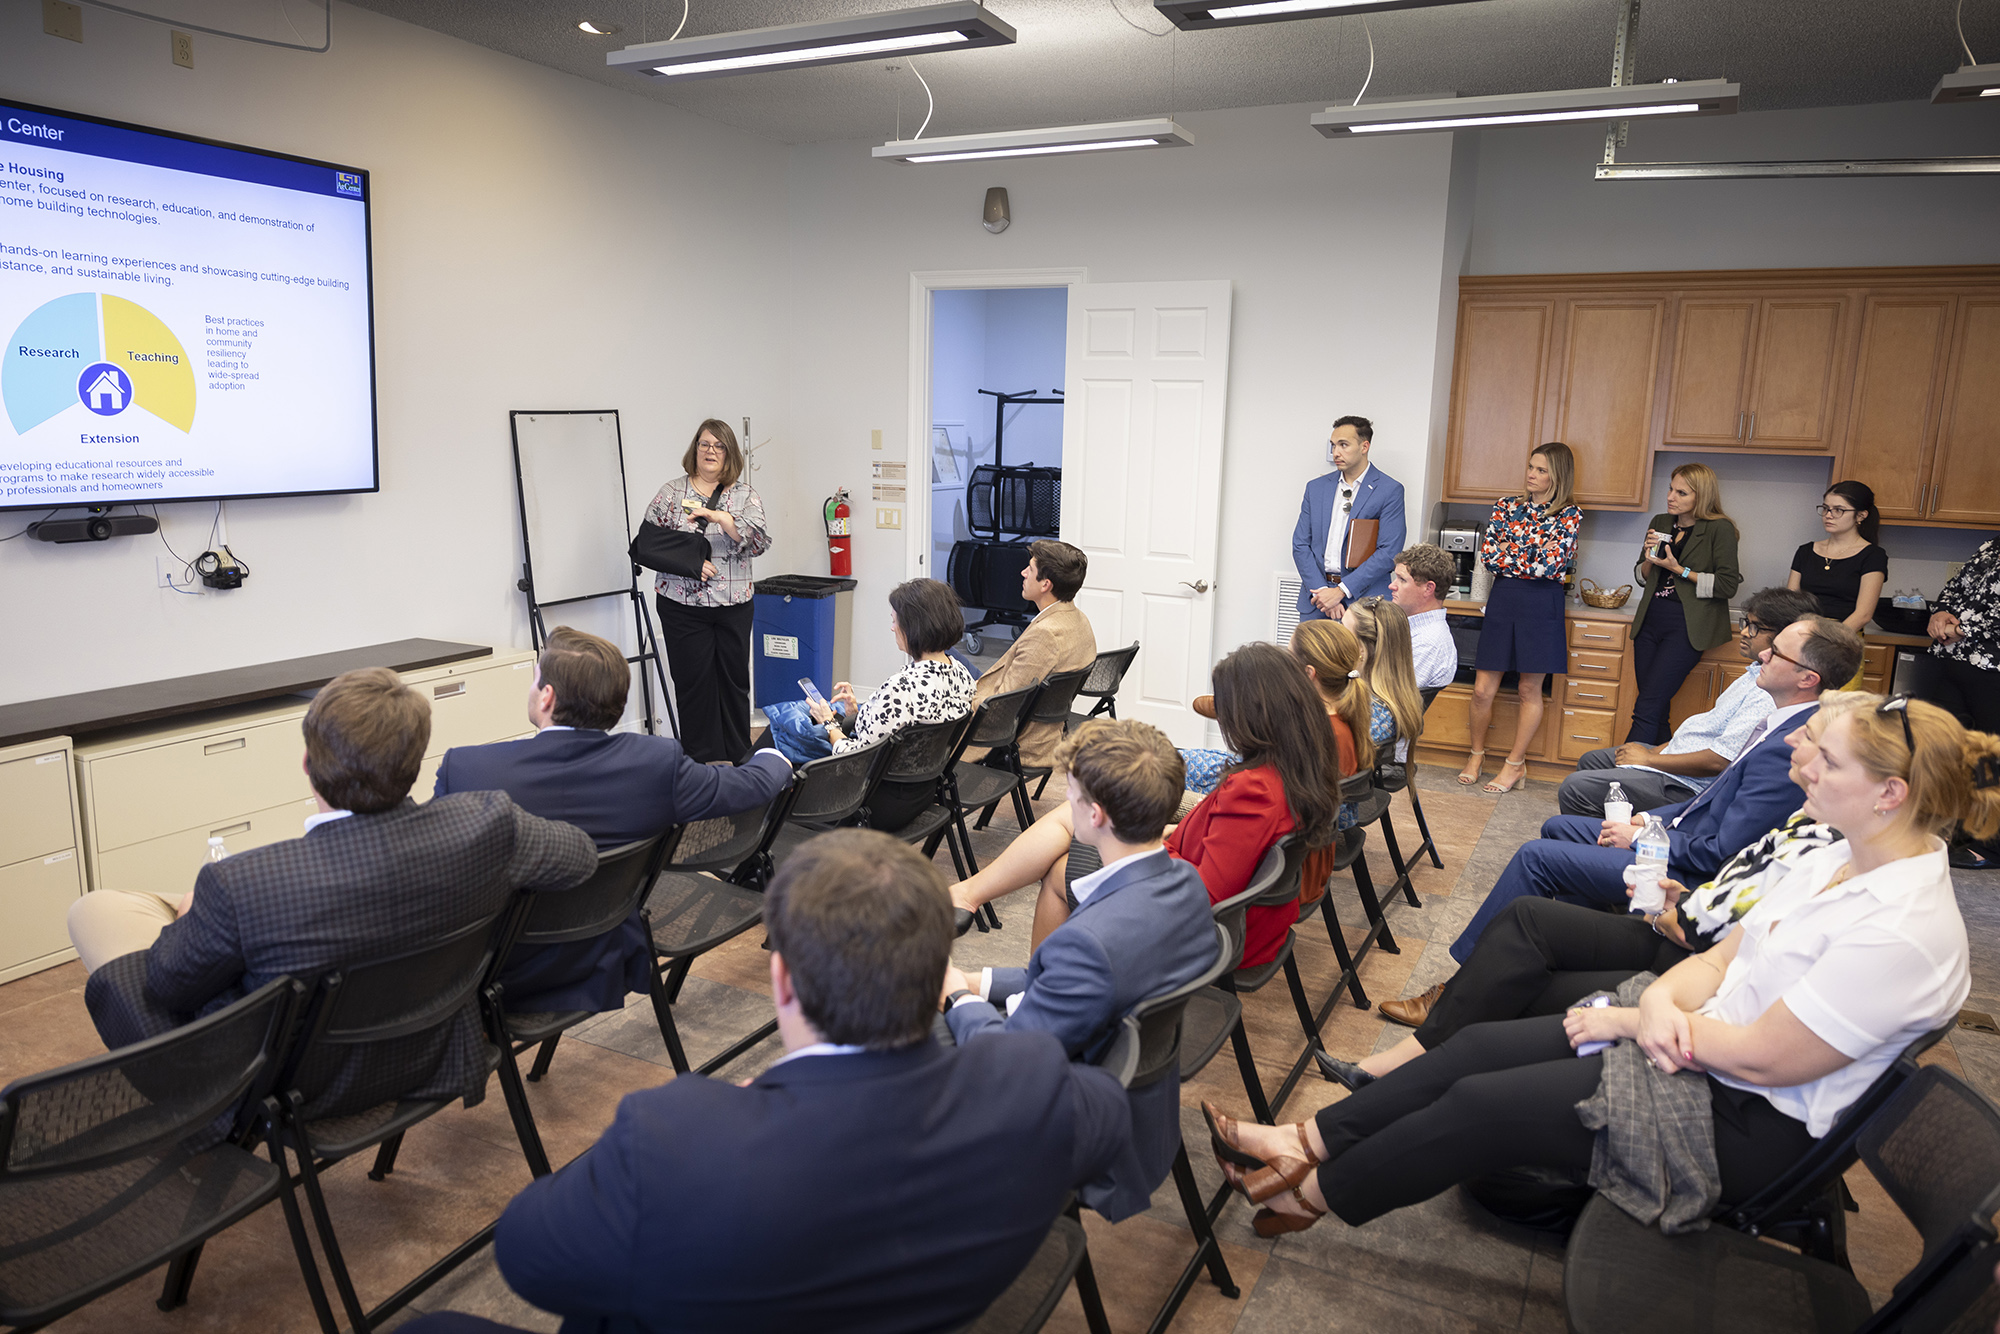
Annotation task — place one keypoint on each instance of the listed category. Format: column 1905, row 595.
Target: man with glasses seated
column 1700, row 748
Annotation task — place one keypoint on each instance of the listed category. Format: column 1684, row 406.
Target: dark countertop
column 95, row 711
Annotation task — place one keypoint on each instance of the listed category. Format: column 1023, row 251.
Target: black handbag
column 670, row 551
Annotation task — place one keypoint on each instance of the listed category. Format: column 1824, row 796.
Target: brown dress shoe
column 1414, row 1010
column 1205, row 705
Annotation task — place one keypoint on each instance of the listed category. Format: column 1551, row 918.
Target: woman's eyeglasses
column 1900, row 706
column 1825, row 510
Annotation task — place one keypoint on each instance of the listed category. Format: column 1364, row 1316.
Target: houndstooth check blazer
column 349, row 891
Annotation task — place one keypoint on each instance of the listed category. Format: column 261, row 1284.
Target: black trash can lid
column 803, row 586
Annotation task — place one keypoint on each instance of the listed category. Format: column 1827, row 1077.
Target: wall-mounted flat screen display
column 185, row 320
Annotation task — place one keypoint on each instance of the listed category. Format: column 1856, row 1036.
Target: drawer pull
column 234, row 743
column 230, row 830
column 1585, row 694
column 1575, row 736
column 447, row 690
column 1593, row 667
column 1587, row 635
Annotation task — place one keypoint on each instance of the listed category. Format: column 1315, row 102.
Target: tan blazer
column 1058, row 640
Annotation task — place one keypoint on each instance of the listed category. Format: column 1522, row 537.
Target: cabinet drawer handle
column 1578, row 736
column 1587, row 635
column 1581, row 694
column 240, row 828
column 1739, row 426
column 1753, row 428
column 1593, row 666
column 234, row 743
column 448, row 689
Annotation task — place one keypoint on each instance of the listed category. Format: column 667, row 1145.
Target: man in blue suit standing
column 1351, row 494
column 616, row 787
column 871, row 1180
column 1582, row 860
column 1141, row 927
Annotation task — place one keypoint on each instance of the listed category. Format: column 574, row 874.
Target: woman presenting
column 1530, row 545
column 1690, row 572
column 706, row 621
column 1846, row 569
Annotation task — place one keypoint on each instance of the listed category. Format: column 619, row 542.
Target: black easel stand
column 647, row 640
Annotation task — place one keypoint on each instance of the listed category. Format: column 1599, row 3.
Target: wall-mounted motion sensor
column 994, row 217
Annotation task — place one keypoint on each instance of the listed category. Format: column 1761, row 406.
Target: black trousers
column 1542, row 956
column 1504, row 1095
column 1970, row 694
column 1662, row 657
column 708, row 653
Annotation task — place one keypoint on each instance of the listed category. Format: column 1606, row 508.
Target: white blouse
column 1870, row 965
column 923, row 692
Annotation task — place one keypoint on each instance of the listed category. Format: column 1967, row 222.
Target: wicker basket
column 1596, row 595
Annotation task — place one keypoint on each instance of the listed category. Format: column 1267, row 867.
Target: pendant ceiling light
column 1061, row 140
column 1969, row 84
column 954, row 27
column 1696, row 97
column 1196, row 15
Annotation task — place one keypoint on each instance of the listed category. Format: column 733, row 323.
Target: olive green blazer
column 1710, row 557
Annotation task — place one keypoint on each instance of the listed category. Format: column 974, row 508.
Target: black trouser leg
column 1969, row 694
column 1662, row 657
column 708, row 653
column 1533, row 956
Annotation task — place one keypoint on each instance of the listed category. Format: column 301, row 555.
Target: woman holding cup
column 1688, row 566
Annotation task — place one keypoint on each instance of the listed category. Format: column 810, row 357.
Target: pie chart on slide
column 97, row 352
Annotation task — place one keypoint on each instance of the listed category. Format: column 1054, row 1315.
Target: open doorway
column 996, row 436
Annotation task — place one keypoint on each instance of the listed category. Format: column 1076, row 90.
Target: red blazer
column 1225, row 837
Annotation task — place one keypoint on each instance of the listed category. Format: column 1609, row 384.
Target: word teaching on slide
column 185, row 320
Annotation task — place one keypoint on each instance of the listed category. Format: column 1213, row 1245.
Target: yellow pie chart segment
column 147, row 351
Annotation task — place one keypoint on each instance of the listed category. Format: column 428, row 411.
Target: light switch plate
column 874, row 437
column 888, row 517
column 60, row 19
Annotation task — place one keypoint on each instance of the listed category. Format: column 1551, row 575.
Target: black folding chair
column 1050, row 706
column 110, row 1166
column 599, row 905
column 908, row 801
column 710, row 893
column 401, row 995
column 1102, row 684
column 1032, row 1297
column 1934, row 1148
column 830, row 792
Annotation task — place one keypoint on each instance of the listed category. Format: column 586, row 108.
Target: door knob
column 1199, row 585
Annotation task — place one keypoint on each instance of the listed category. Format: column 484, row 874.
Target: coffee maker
column 1462, row 543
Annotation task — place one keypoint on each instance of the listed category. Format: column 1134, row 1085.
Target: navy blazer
column 1144, row 931
column 1750, row 799
column 1380, row 498
column 618, row 787
column 877, row 1191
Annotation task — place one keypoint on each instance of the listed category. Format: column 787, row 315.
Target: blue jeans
column 797, row 737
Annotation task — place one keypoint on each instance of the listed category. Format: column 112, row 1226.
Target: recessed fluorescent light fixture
column 1108, row 137
column 1668, row 171
column 1194, row 15
column 1969, row 84
column 1696, row 97
column 598, row 29
column 954, row 27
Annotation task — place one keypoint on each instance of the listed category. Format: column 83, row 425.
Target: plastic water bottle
column 216, row 852
column 1649, row 866
column 1617, row 806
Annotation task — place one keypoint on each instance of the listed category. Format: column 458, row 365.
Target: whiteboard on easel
column 570, row 470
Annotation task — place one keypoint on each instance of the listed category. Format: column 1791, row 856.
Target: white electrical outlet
column 888, row 517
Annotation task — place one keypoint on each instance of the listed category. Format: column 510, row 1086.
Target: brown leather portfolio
column 1362, row 535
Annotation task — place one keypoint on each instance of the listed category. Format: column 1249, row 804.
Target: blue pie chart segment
column 44, row 357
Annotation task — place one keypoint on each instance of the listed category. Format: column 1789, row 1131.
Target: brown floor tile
column 40, row 986
column 1881, row 1244
column 1294, row 1297
column 1137, row 1262
column 46, row 1033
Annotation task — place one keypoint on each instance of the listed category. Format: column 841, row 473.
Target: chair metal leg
column 1341, row 956
column 180, row 1277
column 1311, row 1023
column 1423, row 826
column 516, row 1094
column 385, row 1158
column 1086, row 1284
column 1207, row 1251
column 1252, row 1084
column 1297, row 986
column 663, row 1014
column 1389, row 838
column 546, row 1054
column 295, row 1224
column 329, row 1245
column 1042, row 786
column 1364, row 886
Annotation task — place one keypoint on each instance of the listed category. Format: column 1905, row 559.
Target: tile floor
column 1442, row 1266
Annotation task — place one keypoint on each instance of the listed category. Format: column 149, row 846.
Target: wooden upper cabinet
column 1496, row 394
column 1711, row 371
column 1898, row 385
column 1792, row 402
column 1965, row 486
column 1601, row 404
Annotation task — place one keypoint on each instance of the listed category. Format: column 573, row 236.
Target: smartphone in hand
column 812, row 692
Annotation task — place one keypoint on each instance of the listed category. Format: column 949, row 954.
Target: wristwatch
column 954, row 997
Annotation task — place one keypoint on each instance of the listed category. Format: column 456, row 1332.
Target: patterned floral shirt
column 923, row 692
column 731, row 584
column 1714, row 909
column 1973, row 595
column 1525, row 542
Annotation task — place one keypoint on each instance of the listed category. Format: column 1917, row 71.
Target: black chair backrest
column 599, row 904
column 143, row 1098
column 405, row 993
column 912, row 775
column 1275, row 881
column 1032, row 1297
column 1121, row 1058
column 1427, row 694
column 1160, row 1016
column 1357, row 786
column 722, row 843
column 998, row 719
column 833, row 789
column 1058, row 693
column 1109, row 670
column 1935, row 1149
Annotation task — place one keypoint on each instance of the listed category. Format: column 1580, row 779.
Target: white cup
column 1648, row 895
column 1621, row 811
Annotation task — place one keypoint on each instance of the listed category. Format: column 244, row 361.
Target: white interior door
column 1147, row 379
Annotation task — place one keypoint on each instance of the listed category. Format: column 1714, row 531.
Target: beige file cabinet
column 152, row 797
column 41, row 856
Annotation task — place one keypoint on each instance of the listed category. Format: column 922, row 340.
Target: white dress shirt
column 314, row 821
column 817, row 1049
column 1336, row 535
column 1433, row 652
column 1869, row 965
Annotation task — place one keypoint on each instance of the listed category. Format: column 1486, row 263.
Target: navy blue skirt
column 1524, row 629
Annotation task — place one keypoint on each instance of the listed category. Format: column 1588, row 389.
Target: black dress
column 1836, row 584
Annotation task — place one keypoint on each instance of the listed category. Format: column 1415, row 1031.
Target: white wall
column 539, row 241
column 1336, row 256
column 1025, row 331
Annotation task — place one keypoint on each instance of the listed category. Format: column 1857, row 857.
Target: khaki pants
column 106, row 923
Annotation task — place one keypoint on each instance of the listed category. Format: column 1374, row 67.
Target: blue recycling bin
column 803, row 625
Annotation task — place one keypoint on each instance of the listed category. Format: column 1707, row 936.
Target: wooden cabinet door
column 1965, row 485
column 1711, row 376
column 1696, row 695
column 1498, row 377
column 1796, row 373
column 1898, row 384
column 1604, row 394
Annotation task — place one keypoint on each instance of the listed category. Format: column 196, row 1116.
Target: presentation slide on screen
column 182, row 319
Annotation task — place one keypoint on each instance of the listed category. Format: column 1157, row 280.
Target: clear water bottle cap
column 215, row 840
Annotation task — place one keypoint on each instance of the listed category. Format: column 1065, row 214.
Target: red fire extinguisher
column 838, row 533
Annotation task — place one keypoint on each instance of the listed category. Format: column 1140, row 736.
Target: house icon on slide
column 104, row 389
